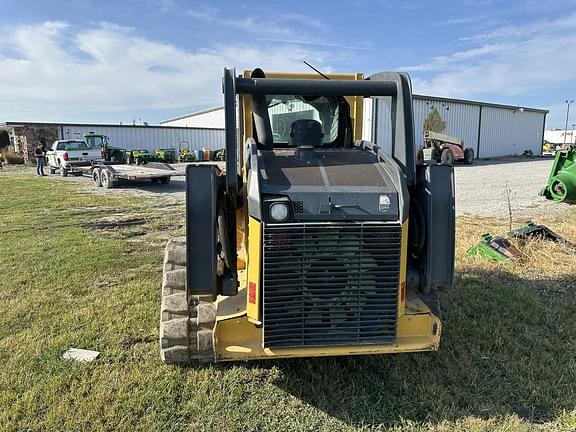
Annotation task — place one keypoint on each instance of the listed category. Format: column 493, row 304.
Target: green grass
column 507, row 360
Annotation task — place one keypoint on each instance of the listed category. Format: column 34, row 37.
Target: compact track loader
column 311, row 242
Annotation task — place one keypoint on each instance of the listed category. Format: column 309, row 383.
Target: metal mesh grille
column 330, row 284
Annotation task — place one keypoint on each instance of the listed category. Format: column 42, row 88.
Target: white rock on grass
column 80, row 355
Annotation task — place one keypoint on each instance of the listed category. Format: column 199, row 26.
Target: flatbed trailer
column 109, row 174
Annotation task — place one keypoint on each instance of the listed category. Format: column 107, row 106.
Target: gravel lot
column 480, row 188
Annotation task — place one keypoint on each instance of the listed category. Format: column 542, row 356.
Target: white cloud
column 250, row 24
column 55, row 72
column 509, row 61
column 292, row 28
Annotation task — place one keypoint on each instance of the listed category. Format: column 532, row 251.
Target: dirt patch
column 128, row 341
column 114, row 224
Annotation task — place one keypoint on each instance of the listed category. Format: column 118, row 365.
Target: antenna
column 315, row 70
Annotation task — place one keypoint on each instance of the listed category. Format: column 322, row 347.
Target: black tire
column 420, row 157
column 447, row 157
column 52, row 170
column 106, row 179
column 63, row 172
column 96, row 177
column 468, row 156
column 164, row 180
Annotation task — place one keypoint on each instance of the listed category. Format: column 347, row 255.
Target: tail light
column 65, row 156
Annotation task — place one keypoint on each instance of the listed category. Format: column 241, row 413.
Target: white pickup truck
column 70, row 155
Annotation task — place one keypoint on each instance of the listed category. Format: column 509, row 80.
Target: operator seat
column 305, row 133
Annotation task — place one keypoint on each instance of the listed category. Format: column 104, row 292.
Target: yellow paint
column 357, row 111
column 246, row 121
column 239, row 339
column 240, row 239
column 254, row 268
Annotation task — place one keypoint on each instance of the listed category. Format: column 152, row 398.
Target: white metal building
column 25, row 135
column 150, row 137
column 492, row 130
column 560, row 136
column 212, row 118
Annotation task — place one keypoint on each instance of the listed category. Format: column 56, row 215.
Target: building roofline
column 193, row 114
column 97, row 125
column 416, row 96
column 478, row 103
column 208, row 110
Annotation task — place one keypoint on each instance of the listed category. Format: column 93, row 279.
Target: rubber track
column 186, row 325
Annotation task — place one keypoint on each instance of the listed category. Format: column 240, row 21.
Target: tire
column 164, row 180
column 52, row 170
column 96, row 177
column 447, row 157
column 106, row 179
column 64, row 172
column 468, row 156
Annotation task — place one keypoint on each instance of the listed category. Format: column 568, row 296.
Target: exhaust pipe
column 260, row 114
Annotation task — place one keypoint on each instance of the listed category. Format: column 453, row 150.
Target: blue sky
column 125, row 60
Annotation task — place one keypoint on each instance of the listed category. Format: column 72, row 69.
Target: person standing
column 44, row 149
column 40, row 156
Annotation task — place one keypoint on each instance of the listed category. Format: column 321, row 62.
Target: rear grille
column 330, row 284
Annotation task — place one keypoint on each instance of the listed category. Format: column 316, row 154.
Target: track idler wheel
column 186, row 324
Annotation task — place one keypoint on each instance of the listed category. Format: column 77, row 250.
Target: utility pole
column 568, row 102
column 572, row 139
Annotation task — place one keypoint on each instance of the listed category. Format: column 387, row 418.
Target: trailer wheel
column 447, row 157
column 64, row 172
column 106, row 180
column 96, row 178
column 164, row 180
column 52, row 170
column 468, row 156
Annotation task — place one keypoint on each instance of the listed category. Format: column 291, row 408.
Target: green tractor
column 141, row 157
column 561, row 186
column 109, row 153
column 185, row 155
column 166, row 155
column 184, row 152
column 220, row 155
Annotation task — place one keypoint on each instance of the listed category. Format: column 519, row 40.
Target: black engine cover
column 329, row 184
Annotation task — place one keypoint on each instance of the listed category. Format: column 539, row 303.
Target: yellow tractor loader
column 311, row 242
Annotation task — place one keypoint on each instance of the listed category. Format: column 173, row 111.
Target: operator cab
column 295, row 114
